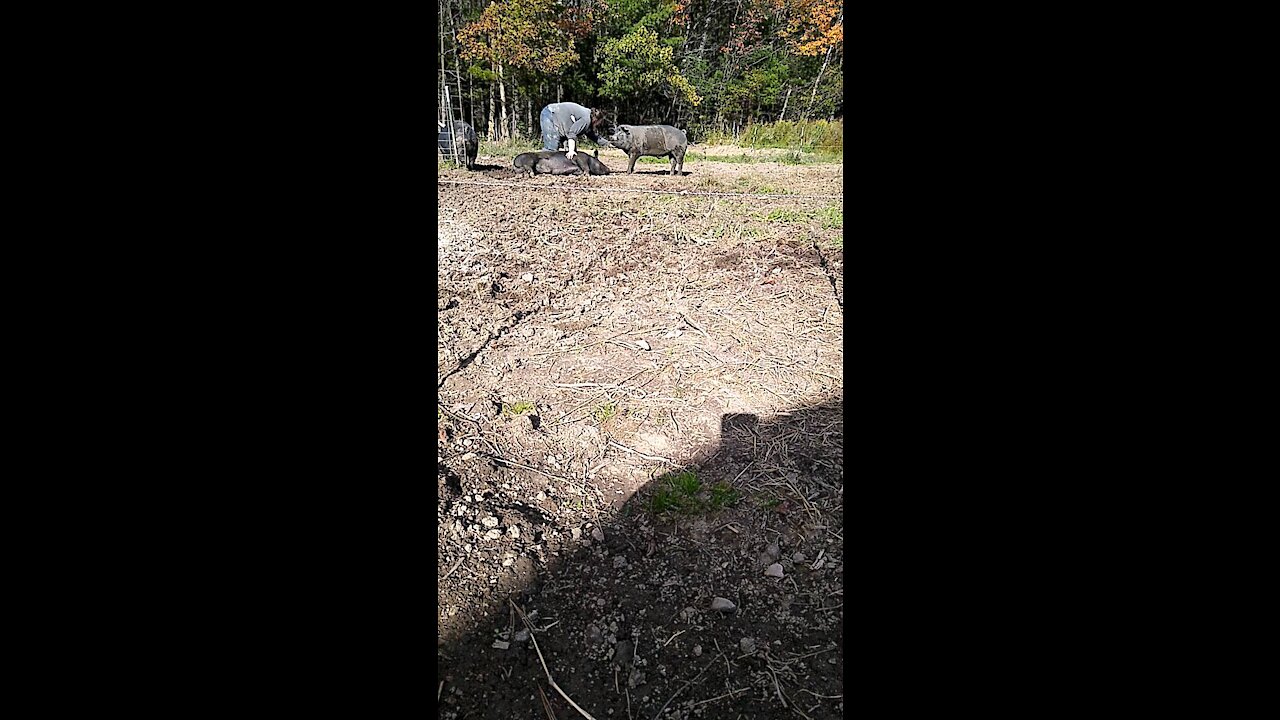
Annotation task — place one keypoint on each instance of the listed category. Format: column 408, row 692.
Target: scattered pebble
column 522, row 635
column 622, row 654
column 747, row 645
column 697, row 650
column 798, row 557
column 637, row 678
column 468, row 456
column 513, row 531
column 501, row 644
column 619, row 561
column 576, row 533
column 723, row 605
column 493, row 534
column 507, row 562
column 643, row 345
column 775, row 570
column 594, row 636
column 772, row 551
column 490, row 522
column 527, row 277
column 598, row 534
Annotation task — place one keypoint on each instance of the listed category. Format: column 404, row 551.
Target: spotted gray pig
column 651, row 140
column 551, row 162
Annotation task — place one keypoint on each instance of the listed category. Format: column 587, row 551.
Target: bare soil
column 593, row 345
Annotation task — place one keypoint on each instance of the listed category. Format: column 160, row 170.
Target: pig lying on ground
column 651, row 140
column 550, row 162
column 465, row 139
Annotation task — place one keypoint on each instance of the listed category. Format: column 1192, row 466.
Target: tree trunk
column 504, row 128
column 528, row 113
column 814, row 94
column 783, row 115
column 559, row 92
column 492, row 125
column 457, row 63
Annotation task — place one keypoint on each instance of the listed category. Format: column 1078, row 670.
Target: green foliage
column 605, row 412
column 482, row 74
column 832, row 217
column 520, row 34
column 702, row 66
column 807, row 135
column 518, row 408
column 637, row 63
column 684, row 493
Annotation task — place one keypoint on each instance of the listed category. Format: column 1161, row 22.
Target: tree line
column 702, row 65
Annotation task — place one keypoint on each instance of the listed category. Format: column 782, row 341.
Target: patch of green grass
column 683, row 493
column 803, row 134
column 605, row 412
column 756, row 185
column 784, row 215
column 519, row 408
column 832, row 216
column 723, row 495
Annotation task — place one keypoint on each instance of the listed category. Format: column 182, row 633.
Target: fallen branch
column 545, row 669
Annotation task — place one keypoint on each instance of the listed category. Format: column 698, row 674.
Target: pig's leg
column 673, row 162
column 631, row 165
column 677, row 157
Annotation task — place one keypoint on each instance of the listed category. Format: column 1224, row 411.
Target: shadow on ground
column 622, row 609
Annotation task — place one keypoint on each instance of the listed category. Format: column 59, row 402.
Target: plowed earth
column 640, row 410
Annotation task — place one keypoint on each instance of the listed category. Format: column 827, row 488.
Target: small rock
column 490, row 522
column 772, row 551
column 723, row 605
column 594, row 636
column 798, row 558
column 527, row 277
column 493, row 534
column 775, row 570
column 598, row 534
column 468, row 456
column 540, row 496
column 622, row 654
column 507, row 562
column 697, row 650
column 522, row 635
column 619, row 561
column 576, row 532
column 747, row 645
column 643, row 345
column 637, row 678
column 501, row 644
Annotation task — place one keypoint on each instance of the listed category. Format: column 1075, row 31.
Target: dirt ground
column 640, row 442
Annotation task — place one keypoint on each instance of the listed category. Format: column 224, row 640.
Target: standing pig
column 464, row 137
column 550, row 162
column 651, row 140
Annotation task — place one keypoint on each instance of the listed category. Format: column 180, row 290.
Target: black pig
column 550, row 162
column 467, row 142
column 651, row 140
